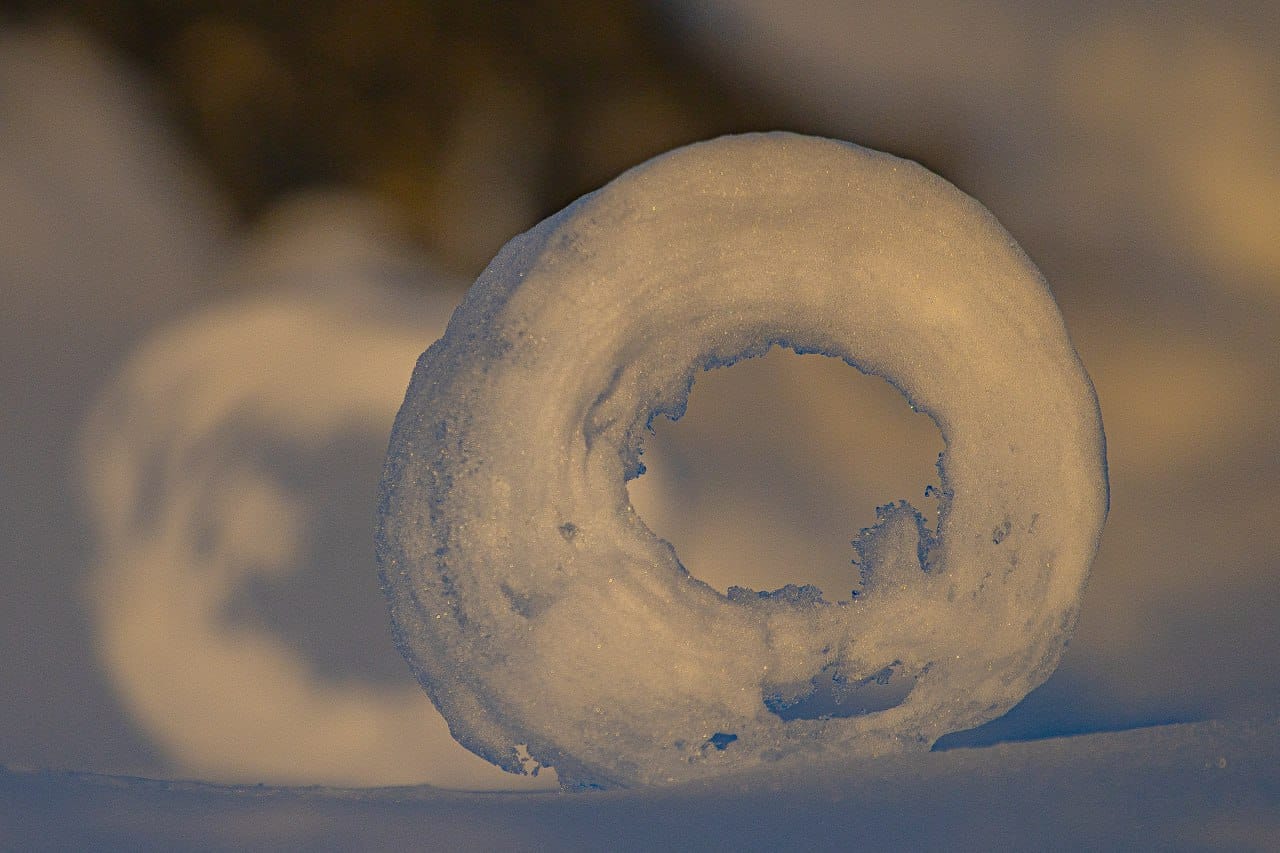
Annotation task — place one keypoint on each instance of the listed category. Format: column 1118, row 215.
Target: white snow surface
column 1205, row 786
column 538, row 609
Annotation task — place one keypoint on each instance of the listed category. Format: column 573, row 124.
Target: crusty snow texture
column 540, row 612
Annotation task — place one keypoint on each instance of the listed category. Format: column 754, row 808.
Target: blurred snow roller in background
column 230, row 467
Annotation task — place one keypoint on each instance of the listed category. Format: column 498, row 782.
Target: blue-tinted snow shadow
column 1062, row 707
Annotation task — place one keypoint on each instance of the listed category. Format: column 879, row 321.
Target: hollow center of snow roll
column 776, row 465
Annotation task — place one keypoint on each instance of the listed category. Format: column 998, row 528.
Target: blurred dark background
column 364, row 161
column 472, row 119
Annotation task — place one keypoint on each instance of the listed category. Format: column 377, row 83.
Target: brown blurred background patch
column 474, row 119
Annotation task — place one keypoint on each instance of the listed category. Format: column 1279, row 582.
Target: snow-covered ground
column 1205, row 786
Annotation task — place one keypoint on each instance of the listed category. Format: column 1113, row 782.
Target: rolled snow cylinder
column 222, row 464
column 541, row 614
